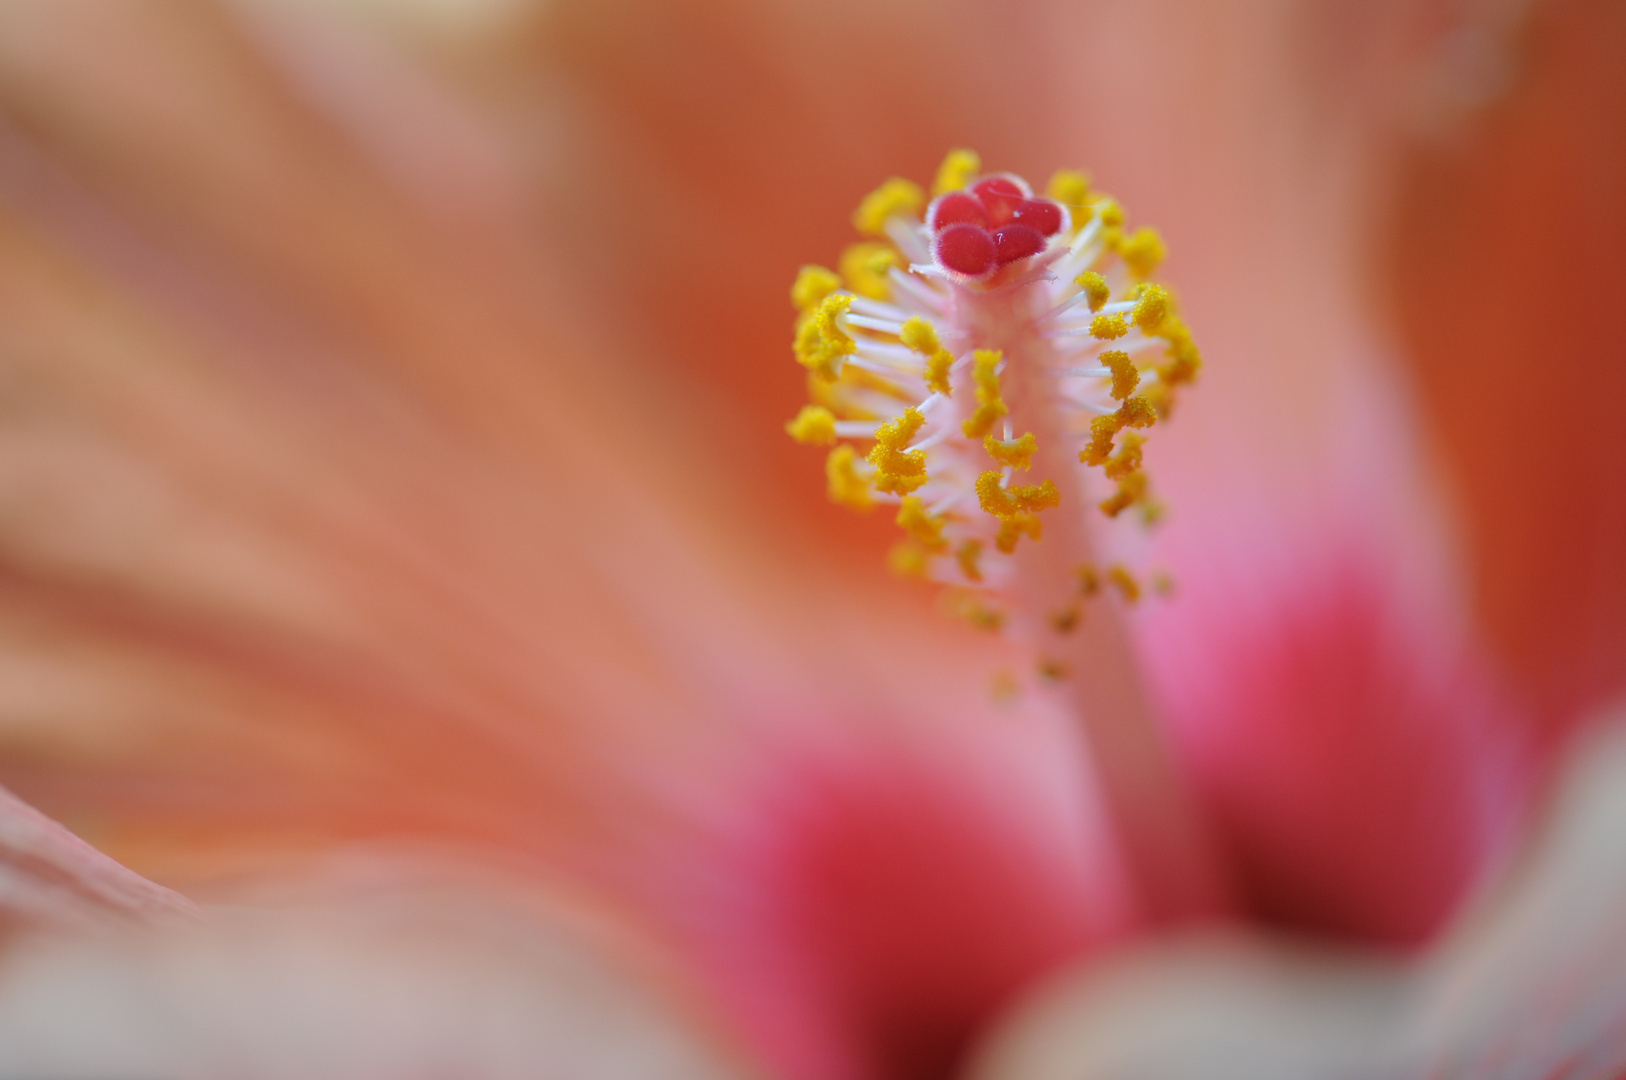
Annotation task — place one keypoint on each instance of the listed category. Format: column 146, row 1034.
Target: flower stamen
column 1017, row 313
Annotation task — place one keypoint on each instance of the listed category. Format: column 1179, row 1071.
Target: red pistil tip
column 998, row 332
column 996, row 222
column 968, row 250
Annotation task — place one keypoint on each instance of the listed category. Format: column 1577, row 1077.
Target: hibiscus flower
column 379, row 479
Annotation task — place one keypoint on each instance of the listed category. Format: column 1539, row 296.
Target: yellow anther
column 956, row 171
column 921, row 336
column 1151, row 307
column 1071, row 188
column 1184, row 361
column 1131, row 490
column 1112, row 223
column 895, row 198
column 990, row 405
column 1066, row 620
column 1008, row 502
column 1089, row 582
column 1128, row 458
column 969, row 556
column 898, row 472
column 1137, row 412
column 938, row 365
column 1050, row 669
column 813, row 283
column 1095, row 288
column 1161, row 398
column 1125, row 376
column 1181, row 369
column 925, row 529
column 908, row 560
column 1017, row 453
column 864, row 266
column 1124, row 582
column 821, row 343
column 1108, row 327
column 814, row 426
column 1103, row 429
column 1163, row 583
column 1151, row 512
column 1142, row 251
column 845, row 484
column 1013, row 529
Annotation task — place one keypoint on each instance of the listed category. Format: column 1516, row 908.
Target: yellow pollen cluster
column 1096, row 290
column 1125, row 376
column 813, row 284
column 1136, row 412
column 1108, row 327
column 957, row 171
column 920, row 377
column 1184, row 361
column 921, row 336
column 1012, row 529
column 814, row 426
column 1131, row 490
column 1009, row 502
column 1151, row 307
column 1124, row 582
column 865, row 266
column 821, row 343
column 1142, row 251
column 1111, row 216
column 895, row 198
column 969, row 555
column 1017, row 453
column 1127, row 460
column 897, row 471
column 991, row 405
column 923, row 528
column 847, row 487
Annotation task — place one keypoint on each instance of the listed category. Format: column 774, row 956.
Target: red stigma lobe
column 1016, row 242
column 957, row 208
column 1040, row 214
column 993, row 223
column 1001, row 195
column 966, row 249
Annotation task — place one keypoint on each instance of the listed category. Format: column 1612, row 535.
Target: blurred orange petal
column 1505, row 267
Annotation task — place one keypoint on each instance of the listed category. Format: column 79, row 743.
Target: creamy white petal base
column 388, row 981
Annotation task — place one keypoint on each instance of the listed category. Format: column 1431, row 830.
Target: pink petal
column 50, row 877
column 865, row 906
column 1362, row 771
column 1530, row 986
column 1364, row 767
